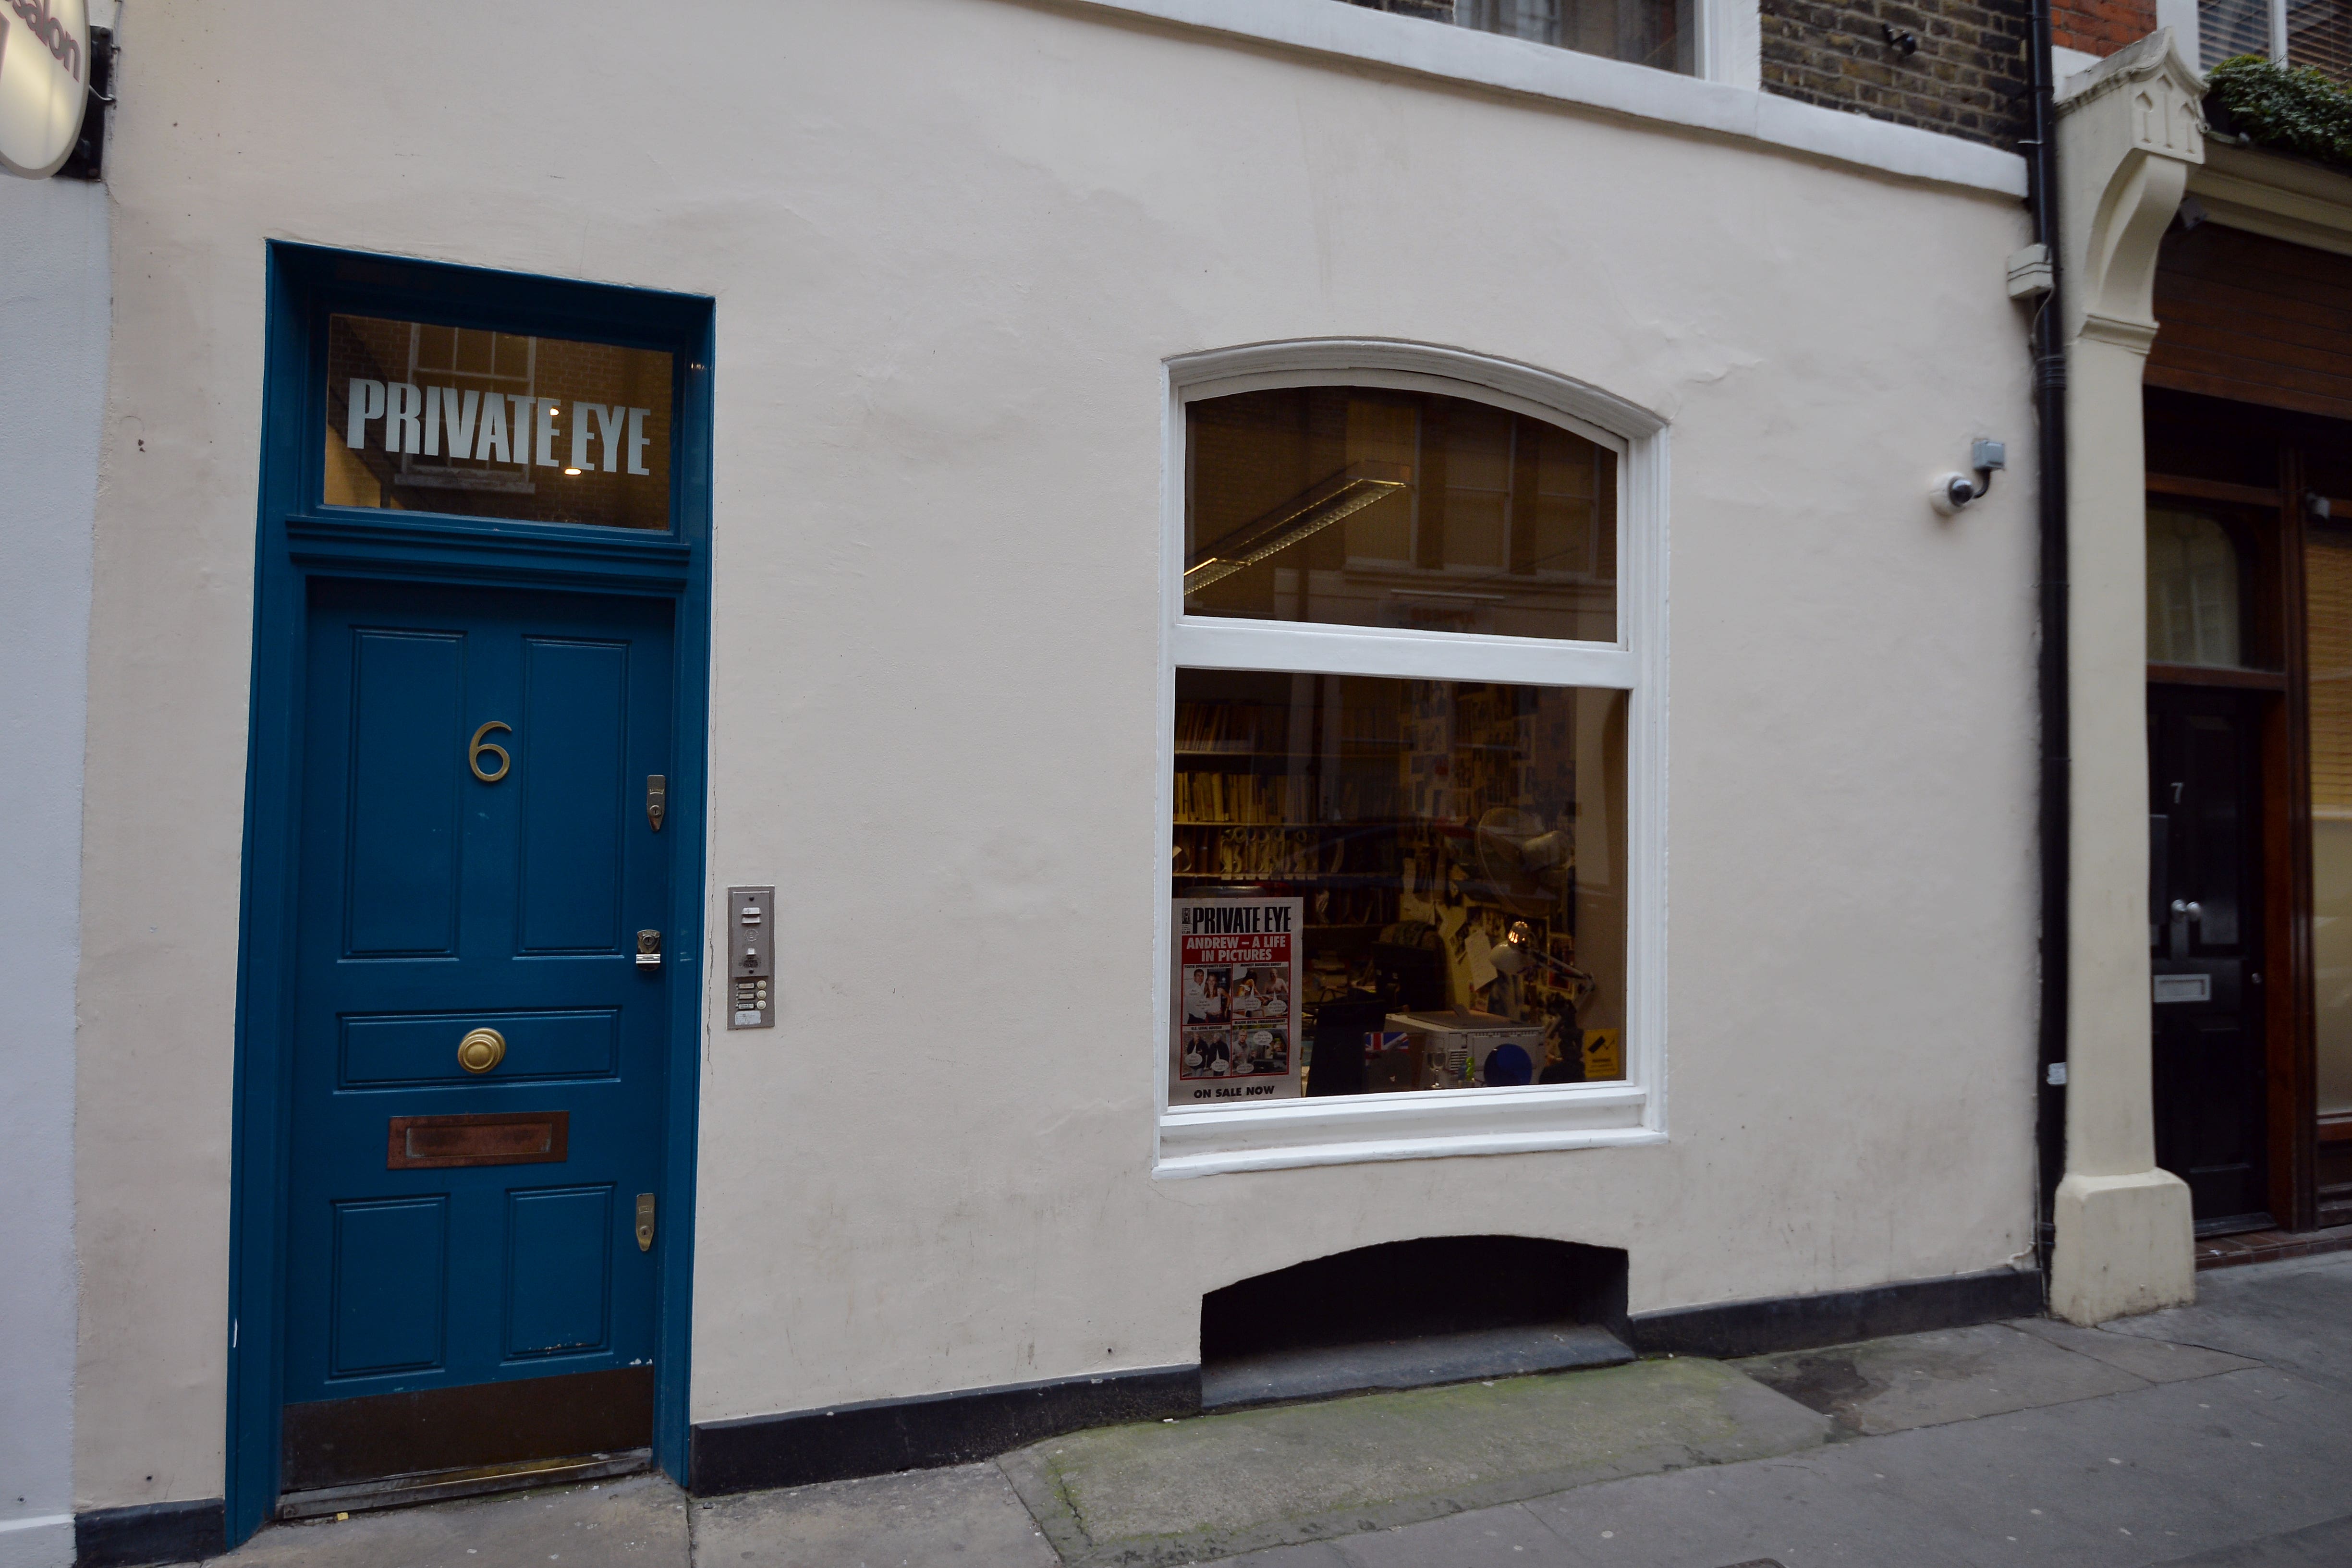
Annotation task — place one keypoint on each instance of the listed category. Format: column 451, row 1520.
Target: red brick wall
column 2100, row 27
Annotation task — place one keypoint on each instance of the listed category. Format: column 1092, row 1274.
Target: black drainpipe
column 2050, row 406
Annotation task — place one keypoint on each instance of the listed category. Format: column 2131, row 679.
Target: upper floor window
column 2316, row 33
column 1659, row 33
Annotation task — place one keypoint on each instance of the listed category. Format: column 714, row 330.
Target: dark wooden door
column 2205, row 920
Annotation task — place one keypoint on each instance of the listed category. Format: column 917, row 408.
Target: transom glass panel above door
column 429, row 418
column 2194, row 594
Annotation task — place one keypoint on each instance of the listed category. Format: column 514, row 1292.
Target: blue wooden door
column 461, row 1233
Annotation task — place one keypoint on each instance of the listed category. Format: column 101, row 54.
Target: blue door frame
column 300, row 539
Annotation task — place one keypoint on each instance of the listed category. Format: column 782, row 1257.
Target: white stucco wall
column 53, row 326
column 951, row 243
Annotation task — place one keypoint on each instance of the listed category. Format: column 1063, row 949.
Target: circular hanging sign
column 44, row 83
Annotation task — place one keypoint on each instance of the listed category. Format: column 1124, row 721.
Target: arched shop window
column 1409, row 737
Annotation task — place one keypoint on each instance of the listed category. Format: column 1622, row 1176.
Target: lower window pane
column 2319, row 35
column 2226, row 28
column 1387, row 886
column 1647, row 32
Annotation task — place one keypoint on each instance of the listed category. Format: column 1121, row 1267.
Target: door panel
column 558, row 1275
column 390, row 1260
column 2205, row 888
column 2214, row 753
column 436, row 900
column 414, row 1047
column 401, row 822
column 576, row 714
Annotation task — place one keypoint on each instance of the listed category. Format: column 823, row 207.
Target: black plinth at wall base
column 881, row 1436
column 151, row 1533
column 1839, row 1317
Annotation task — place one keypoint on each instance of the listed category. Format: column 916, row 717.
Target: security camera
column 1952, row 492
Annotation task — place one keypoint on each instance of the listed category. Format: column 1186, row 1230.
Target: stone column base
column 2125, row 1244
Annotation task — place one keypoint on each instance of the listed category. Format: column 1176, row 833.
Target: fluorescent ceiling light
column 1309, row 512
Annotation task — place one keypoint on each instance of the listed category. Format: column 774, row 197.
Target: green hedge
column 2278, row 106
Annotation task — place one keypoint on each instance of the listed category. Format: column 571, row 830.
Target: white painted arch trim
column 1195, row 1141
column 1727, row 101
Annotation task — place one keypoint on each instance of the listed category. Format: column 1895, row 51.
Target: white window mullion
column 1201, row 643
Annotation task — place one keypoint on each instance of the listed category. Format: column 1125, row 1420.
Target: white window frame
column 1724, row 99
column 1726, row 43
column 1203, row 1140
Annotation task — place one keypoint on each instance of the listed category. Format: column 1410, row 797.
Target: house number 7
column 473, row 752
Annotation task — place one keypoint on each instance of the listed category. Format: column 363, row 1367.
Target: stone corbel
column 2129, row 129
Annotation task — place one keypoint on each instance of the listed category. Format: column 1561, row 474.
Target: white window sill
column 1359, row 1128
column 1511, row 65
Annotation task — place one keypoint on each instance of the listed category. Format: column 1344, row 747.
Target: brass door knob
column 481, row 1051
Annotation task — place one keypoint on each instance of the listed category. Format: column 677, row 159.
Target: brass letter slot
column 496, row 1138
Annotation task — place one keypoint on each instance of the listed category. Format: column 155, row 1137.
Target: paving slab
column 2328, row 1545
column 1925, row 1379
column 1504, row 1537
column 2157, row 1361
column 639, row 1521
column 2235, row 1469
column 1184, row 1491
column 2169, row 1472
column 965, row 1515
column 2289, row 1315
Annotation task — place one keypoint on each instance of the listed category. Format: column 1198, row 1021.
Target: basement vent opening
column 1412, row 1314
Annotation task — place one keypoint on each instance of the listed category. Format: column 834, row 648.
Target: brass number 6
column 473, row 753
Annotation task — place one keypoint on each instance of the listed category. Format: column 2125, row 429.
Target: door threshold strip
column 440, row 1486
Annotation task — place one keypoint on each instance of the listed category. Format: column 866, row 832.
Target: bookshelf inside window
column 1458, row 848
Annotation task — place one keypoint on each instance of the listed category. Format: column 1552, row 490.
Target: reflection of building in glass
column 493, row 363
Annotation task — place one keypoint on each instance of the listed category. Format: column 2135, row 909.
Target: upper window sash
column 1230, row 643
column 1724, row 42
column 1725, row 99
